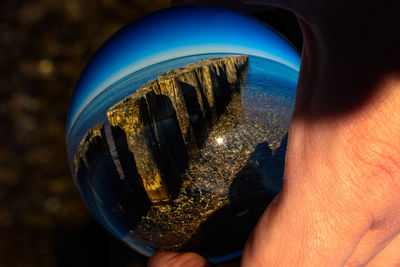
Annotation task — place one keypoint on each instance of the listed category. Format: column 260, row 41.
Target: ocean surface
column 266, row 81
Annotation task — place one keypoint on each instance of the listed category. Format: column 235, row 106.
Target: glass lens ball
column 177, row 129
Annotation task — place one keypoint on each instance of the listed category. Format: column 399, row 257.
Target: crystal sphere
column 177, row 129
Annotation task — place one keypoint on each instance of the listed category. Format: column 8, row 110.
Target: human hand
column 341, row 198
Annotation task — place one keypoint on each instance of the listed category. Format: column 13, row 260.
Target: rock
column 101, row 177
column 200, row 93
column 92, row 146
column 136, row 123
column 127, row 171
column 171, row 87
column 167, row 120
column 207, row 77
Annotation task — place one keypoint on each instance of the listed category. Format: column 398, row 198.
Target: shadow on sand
column 226, row 231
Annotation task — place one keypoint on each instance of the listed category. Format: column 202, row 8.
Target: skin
column 340, row 204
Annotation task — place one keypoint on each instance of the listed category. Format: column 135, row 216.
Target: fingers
column 175, row 259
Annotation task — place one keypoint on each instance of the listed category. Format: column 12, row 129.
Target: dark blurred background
column 44, row 46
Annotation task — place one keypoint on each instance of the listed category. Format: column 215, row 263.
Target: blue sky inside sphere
column 173, row 33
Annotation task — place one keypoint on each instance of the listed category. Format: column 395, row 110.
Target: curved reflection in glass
column 176, row 136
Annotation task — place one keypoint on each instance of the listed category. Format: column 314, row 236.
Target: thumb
column 176, row 259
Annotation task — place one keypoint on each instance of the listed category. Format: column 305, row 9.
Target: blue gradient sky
column 175, row 33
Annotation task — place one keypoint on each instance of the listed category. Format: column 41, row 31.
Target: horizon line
column 71, row 121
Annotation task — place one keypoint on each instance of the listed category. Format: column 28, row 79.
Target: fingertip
column 177, row 259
